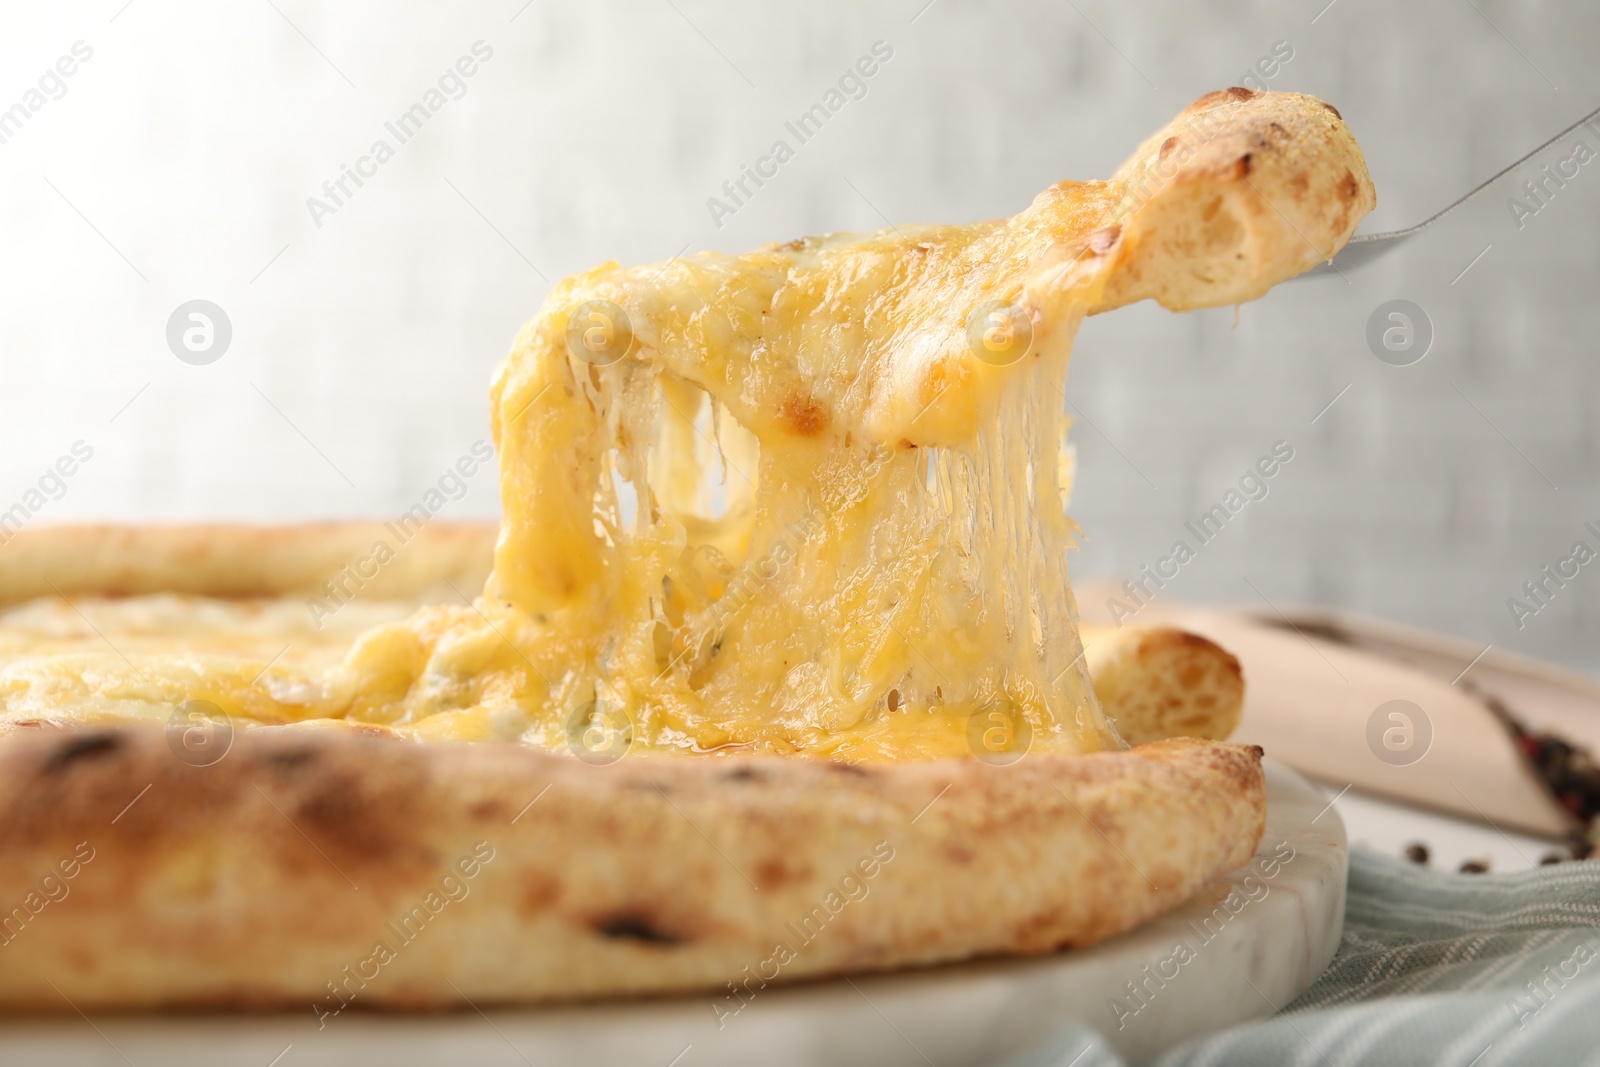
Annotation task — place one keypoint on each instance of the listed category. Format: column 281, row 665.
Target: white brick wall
column 192, row 138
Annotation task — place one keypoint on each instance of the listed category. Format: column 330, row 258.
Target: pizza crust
column 257, row 880
column 229, row 560
column 1156, row 682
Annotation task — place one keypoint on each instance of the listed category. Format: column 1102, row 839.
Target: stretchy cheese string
column 893, row 564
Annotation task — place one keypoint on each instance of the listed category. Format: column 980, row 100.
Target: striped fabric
column 1447, row 969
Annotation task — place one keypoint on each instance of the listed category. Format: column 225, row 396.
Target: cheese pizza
column 779, row 603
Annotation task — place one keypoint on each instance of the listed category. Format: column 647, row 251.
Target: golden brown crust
column 1240, row 191
column 260, row 879
column 1156, row 682
column 242, row 561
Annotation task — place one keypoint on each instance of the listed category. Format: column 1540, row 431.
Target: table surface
column 1389, row 827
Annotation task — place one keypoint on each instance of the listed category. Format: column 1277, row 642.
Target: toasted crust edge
column 1240, row 191
column 268, row 878
column 1156, row 682
column 228, row 560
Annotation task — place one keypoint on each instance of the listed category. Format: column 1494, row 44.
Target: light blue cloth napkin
column 1450, row 969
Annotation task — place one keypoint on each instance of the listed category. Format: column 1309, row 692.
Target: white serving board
column 1278, row 927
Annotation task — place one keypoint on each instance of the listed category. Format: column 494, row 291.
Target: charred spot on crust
column 1333, row 109
column 1223, row 96
column 1241, row 169
column 488, row 810
column 344, row 815
column 744, row 774
column 540, row 891
column 775, row 873
column 804, row 414
column 289, row 760
column 333, row 807
column 631, row 926
column 92, row 747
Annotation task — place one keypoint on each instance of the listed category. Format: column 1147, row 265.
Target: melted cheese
column 894, row 558
column 789, row 501
column 798, row 513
